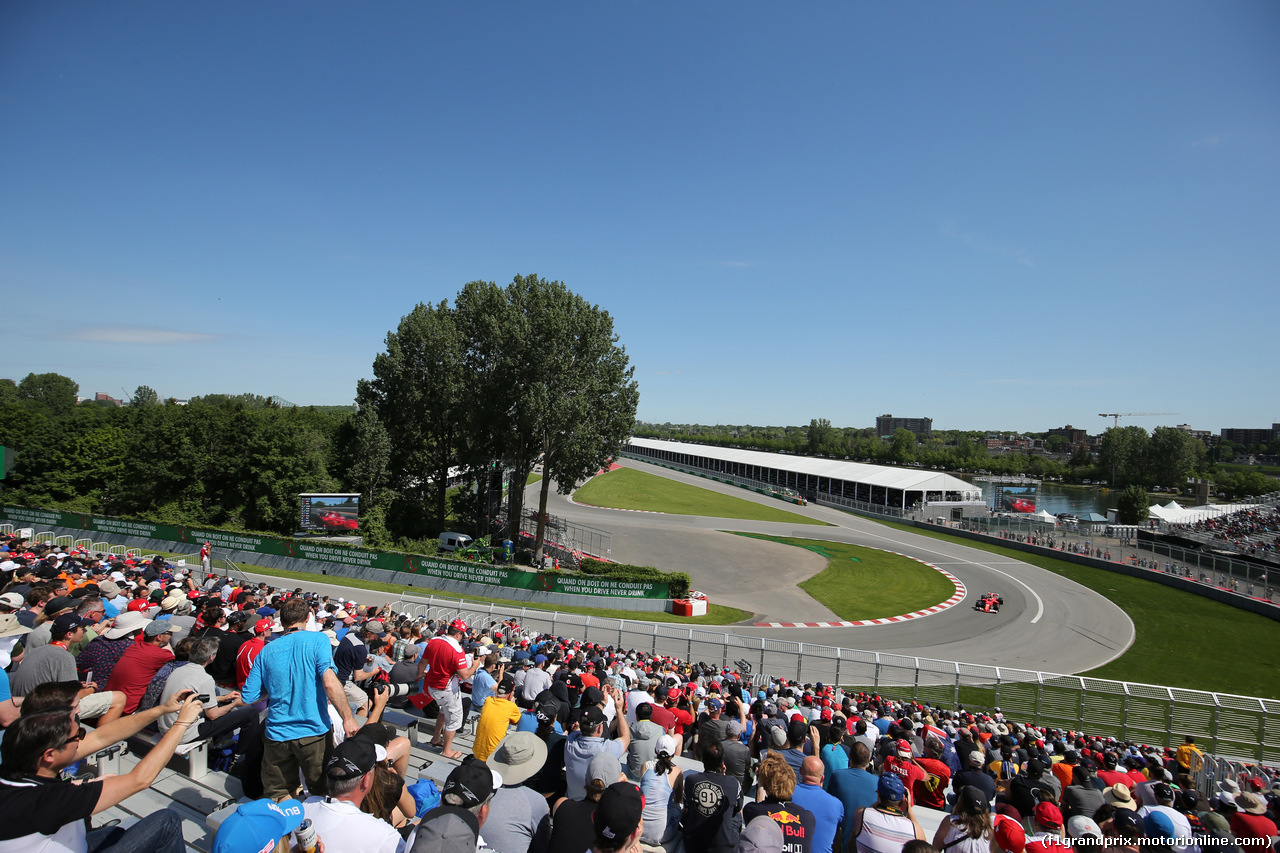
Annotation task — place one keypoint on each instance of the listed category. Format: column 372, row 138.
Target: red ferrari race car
column 333, row 521
column 988, row 602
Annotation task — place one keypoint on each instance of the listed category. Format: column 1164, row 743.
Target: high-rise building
column 1248, row 437
column 887, row 425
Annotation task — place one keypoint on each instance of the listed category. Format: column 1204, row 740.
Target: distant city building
column 106, row 398
column 1071, row 434
column 1251, row 436
column 1204, row 435
column 887, row 425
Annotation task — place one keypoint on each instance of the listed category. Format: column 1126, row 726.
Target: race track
column 1048, row 623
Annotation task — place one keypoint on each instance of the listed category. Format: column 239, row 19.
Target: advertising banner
column 305, row 549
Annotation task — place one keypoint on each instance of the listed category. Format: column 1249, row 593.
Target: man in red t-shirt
column 140, row 663
column 249, row 650
column 931, row 791
column 446, row 667
column 900, row 763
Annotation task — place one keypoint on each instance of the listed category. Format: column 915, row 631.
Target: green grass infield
column 1182, row 639
column 864, row 583
column 627, row 488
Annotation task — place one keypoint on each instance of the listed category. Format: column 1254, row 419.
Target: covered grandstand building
column 821, row 480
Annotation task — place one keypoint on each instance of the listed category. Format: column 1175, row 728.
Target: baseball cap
column 471, row 782
column 778, row 737
column 1009, row 833
column 714, row 704
column 373, row 626
column 618, row 813
column 66, row 623
column 506, row 685
column 546, row 710
column 60, row 603
column 666, row 743
column 539, row 658
column 351, row 759
column 1158, row 825
column 257, row 826
column 976, row 758
column 904, row 749
column 262, row 626
column 1083, row 825
column 156, row 627
column 1048, row 815
column 592, row 696
column 591, row 718
column 458, row 625
column 890, row 787
column 12, row 600
column 603, row 766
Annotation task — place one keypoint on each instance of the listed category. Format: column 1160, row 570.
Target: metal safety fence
column 1241, row 728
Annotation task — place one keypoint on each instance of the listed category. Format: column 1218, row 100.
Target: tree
column 902, row 446
column 145, row 395
column 420, row 393
column 1133, row 505
column 55, row 392
column 820, row 434
column 1172, row 455
column 553, row 383
column 1123, row 454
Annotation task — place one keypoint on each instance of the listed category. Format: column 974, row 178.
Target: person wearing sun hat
column 1250, row 823
column 259, row 826
column 519, row 816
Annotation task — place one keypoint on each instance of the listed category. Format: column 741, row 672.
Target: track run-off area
column 1048, row 623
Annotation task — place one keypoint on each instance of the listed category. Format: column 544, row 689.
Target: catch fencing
column 1240, row 728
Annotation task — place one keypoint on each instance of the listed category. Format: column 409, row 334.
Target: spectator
column 828, row 811
column 96, row 661
column 295, row 672
column 352, row 655
column 571, row 819
column 776, row 783
column 519, row 820
column 52, row 662
column 1046, row 830
column 536, row 679
column 485, row 680
column 260, row 825
column 890, row 823
column 588, row 741
column 1030, row 787
column 1082, row 798
column 337, row 818
column 445, row 666
column 1250, row 823
column 38, row 746
column 464, row 808
column 644, row 741
column 618, row 819
column 250, row 649
column 140, row 662
column 662, row 783
column 931, row 791
column 1189, row 757
column 498, row 714
column 968, row 829
column 856, row 787
column 228, row 714
column 712, row 802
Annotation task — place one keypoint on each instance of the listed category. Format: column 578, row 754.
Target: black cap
column 351, row 759
column 506, row 685
column 65, row 624
column 618, row 813
column 592, row 717
column 546, row 710
column 471, row 782
column 592, row 696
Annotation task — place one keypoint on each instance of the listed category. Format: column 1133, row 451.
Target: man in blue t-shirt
column 295, row 673
column 855, row 787
column 828, row 811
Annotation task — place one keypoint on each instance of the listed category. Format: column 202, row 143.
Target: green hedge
column 678, row 582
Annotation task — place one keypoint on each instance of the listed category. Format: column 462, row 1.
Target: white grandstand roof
column 914, row 479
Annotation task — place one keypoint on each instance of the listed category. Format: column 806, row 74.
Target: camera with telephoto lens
column 380, row 683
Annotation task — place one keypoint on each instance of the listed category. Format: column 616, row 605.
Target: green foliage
column 1133, row 505
column 144, row 395
column 50, row 392
column 679, row 581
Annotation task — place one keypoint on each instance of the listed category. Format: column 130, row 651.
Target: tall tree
column 1123, row 454
column 144, row 395
column 1172, row 455
column 820, row 434
column 1133, row 505
column 419, row 391
column 55, row 392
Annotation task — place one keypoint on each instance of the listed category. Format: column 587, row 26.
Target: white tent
column 1045, row 515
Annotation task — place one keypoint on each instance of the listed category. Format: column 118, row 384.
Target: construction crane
column 1118, row 415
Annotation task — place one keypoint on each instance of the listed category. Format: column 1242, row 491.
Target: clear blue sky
column 1000, row 215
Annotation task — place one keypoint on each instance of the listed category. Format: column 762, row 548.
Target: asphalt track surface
column 1048, row 623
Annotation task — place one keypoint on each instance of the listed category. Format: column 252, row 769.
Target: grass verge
column 1182, row 639
column 863, row 583
column 627, row 488
column 717, row 614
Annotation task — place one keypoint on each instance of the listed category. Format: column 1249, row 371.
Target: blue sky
column 999, row 215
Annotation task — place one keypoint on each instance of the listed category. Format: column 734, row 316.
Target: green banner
column 304, row 549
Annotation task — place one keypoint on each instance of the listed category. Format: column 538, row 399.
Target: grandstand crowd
column 574, row 746
column 1250, row 531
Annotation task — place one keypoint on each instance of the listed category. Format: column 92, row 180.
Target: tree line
column 502, row 379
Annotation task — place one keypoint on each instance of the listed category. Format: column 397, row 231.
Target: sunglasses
column 76, row 738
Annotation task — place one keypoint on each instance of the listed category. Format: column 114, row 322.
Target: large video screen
column 329, row 513
column 1016, row 498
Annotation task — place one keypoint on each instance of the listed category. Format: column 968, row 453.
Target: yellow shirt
column 496, row 715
